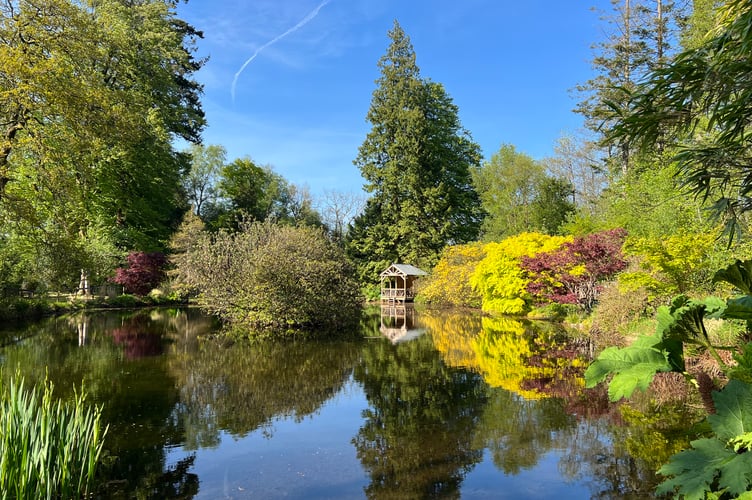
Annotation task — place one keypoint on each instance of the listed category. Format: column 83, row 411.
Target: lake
column 421, row 404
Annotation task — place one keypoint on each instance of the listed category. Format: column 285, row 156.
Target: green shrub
column 48, row 449
column 124, row 300
column 275, row 276
column 371, row 292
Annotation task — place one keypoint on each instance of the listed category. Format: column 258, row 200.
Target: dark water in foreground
column 450, row 405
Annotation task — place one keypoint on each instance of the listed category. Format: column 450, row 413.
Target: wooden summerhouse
column 398, row 283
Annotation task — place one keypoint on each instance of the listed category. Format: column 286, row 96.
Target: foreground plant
column 721, row 464
column 48, row 448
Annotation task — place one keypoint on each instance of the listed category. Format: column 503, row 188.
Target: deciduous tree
column 201, row 182
column 88, row 113
column 507, row 185
column 144, row 272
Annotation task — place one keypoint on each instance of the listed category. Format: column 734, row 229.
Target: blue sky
column 304, row 71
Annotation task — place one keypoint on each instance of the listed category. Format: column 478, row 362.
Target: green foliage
column 721, row 463
column 499, row 278
column 670, row 265
column 552, row 204
column 274, row 276
column 187, row 236
column 416, row 162
column 698, row 106
column 738, row 275
column 518, row 196
column 632, row 367
column 200, row 183
column 507, row 186
column 48, row 448
column 635, row 366
column 124, row 301
column 449, row 282
column 718, row 465
column 87, row 166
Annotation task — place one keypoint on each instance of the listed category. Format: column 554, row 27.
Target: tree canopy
column 699, row 103
column 88, row 114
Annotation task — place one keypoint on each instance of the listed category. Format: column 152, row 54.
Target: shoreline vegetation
column 49, row 448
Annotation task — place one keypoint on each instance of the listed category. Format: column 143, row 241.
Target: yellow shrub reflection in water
column 507, row 352
column 453, row 334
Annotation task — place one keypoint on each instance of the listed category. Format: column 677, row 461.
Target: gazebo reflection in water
column 399, row 322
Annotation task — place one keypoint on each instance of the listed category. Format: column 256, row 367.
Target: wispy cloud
column 307, row 19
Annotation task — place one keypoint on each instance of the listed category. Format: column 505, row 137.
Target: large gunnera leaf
column 738, row 274
column 633, row 366
column 683, row 320
column 722, row 463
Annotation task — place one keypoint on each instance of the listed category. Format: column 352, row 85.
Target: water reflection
column 241, row 388
column 398, row 322
column 415, row 442
column 531, row 359
column 453, row 390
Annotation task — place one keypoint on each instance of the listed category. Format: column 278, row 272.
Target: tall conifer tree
column 417, row 162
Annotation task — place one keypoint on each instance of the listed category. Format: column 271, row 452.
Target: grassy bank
column 18, row 308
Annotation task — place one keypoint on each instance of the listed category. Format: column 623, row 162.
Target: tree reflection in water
column 241, row 388
column 415, row 442
column 137, row 394
column 139, row 336
column 537, row 404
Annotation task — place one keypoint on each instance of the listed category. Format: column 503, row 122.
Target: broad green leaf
column 724, row 457
column 739, row 308
column 743, row 369
column 693, row 471
column 633, row 367
column 683, row 320
column 733, row 415
column 736, row 473
column 738, row 274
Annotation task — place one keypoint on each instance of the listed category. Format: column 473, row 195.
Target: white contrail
column 307, row 19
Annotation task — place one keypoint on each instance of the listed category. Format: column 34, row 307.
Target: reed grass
column 48, row 448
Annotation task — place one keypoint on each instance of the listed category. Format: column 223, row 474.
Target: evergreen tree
column 643, row 37
column 417, row 162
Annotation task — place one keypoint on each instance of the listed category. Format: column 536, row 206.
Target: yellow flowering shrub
column 499, row 279
column 670, row 265
column 449, row 282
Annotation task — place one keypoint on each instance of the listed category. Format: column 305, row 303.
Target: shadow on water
column 454, row 405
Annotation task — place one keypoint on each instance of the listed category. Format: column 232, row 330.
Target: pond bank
column 22, row 308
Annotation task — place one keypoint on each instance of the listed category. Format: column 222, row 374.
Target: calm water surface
column 425, row 405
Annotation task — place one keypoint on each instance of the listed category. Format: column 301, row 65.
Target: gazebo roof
column 402, row 270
